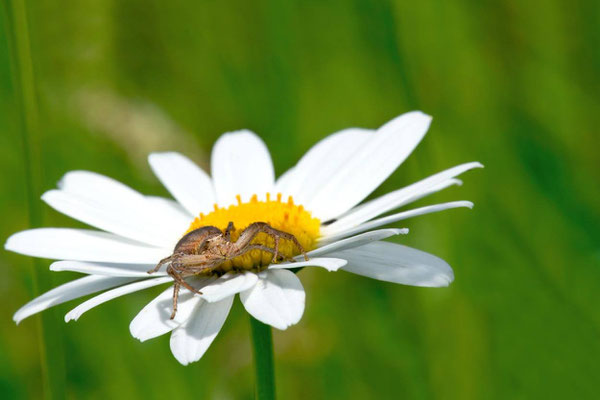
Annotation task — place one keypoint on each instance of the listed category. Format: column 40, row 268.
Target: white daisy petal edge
column 68, row 291
column 106, row 269
column 330, row 264
column 75, row 313
column 369, row 166
column 117, row 220
column 154, row 319
column 396, row 263
column 320, row 163
column 97, row 199
column 400, row 197
column 228, row 285
column 176, row 171
column 277, row 299
column 241, row 164
column 190, row 341
column 356, row 241
column 83, row 245
column 376, row 223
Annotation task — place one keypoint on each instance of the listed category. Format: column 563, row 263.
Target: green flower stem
column 49, row 333
column 262, row 343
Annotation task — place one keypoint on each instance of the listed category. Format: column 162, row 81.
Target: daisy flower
column 318, row 201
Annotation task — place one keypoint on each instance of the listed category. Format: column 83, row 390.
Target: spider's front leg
column 254, row 229
column 176, row 287
column 268, row 250
column 163, row 262
column 179, row 281
column 230, row 228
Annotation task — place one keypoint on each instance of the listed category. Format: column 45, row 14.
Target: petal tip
column 135, row 332
column 21, row 314
column 462, row 203
column 9, row 245
column 138, row 337
column 45, row 197
column 71, row 317
column 55, row 266
column 181, row 361
column 446, row 280
column 153, row 156
column 426, row 116
column 335, row 266
column 63, row 182
column 419, row 113
column 241, row 132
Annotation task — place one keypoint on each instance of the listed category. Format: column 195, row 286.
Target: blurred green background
column 511, row 84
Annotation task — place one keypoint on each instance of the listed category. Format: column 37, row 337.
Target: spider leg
column 276, row 240
column 254, row 229
column 176, row 287
column 277, row 233
column 230, row 228
column 196, row 264
column 249, row 234
column 190, row 288
column 179, row 281
column 161, row 263
column 267, row 249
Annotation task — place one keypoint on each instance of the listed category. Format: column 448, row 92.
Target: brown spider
column 203, row 250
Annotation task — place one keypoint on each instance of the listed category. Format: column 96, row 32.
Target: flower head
column 317, row 202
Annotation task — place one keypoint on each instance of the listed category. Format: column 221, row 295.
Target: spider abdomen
column 190, row 243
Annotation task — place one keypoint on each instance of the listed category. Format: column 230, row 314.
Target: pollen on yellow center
column 282, row 215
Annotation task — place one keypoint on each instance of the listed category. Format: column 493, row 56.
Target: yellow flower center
column 282, row 215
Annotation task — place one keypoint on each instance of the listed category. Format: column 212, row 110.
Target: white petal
column 330, row 264
column 174, row 219
column 392, row 262
column 82, row 245
column 320, row 163
column 154, row 319
column 114, row 195
column 356, row 241
column 228, row 285
column 241, row 164
column 68, row 291
column 400, row 197
column 75, row 313
column 277, row 298
column 188, row 183
column 106, row 269
column 170, row 208
column 190, row 341
column 397, row 194
column 369, row 166
column 284, row 181
column 332, row 235
column 133, row 222
column 101, row 188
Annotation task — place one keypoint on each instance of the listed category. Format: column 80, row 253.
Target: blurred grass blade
column 50, row 339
